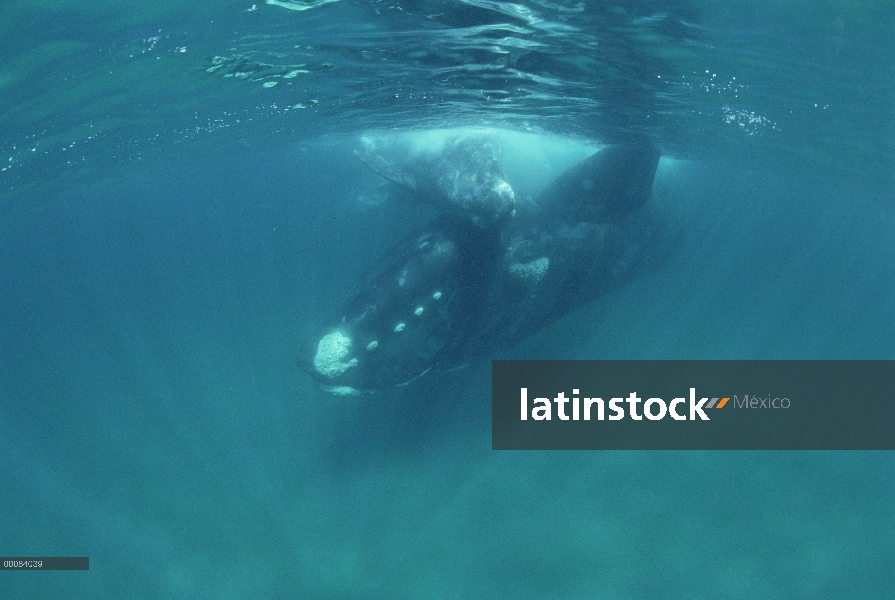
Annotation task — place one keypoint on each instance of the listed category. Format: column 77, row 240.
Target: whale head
column 407, row 317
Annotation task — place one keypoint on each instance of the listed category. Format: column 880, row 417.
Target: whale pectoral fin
column 387, row 170
column 614, row 181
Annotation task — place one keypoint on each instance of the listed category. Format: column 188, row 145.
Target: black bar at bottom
column 44, row 563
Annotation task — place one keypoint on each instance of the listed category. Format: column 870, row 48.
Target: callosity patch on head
column 532, row 271
column 340, row 390
column 331, row 352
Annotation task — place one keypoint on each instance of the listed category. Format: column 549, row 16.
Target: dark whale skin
column 453, row 292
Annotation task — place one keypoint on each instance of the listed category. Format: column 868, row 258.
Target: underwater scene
column 256, row 259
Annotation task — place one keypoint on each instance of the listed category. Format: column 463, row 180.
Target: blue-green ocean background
column 180, row 208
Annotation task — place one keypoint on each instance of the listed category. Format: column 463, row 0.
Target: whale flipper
column 608, row 184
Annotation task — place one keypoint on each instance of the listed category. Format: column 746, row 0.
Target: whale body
column 452, row 292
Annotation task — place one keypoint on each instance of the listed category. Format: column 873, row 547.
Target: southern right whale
column 453, row 291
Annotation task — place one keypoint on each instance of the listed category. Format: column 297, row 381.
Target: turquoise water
column 170, row 234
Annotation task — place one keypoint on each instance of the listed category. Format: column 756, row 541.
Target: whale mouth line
column 412, row 379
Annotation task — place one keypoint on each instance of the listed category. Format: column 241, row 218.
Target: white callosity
column 532, row 271
column 331, row 352
column 504, row 190
column 340, row 390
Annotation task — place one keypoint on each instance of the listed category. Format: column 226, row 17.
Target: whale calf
column 463, row 178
